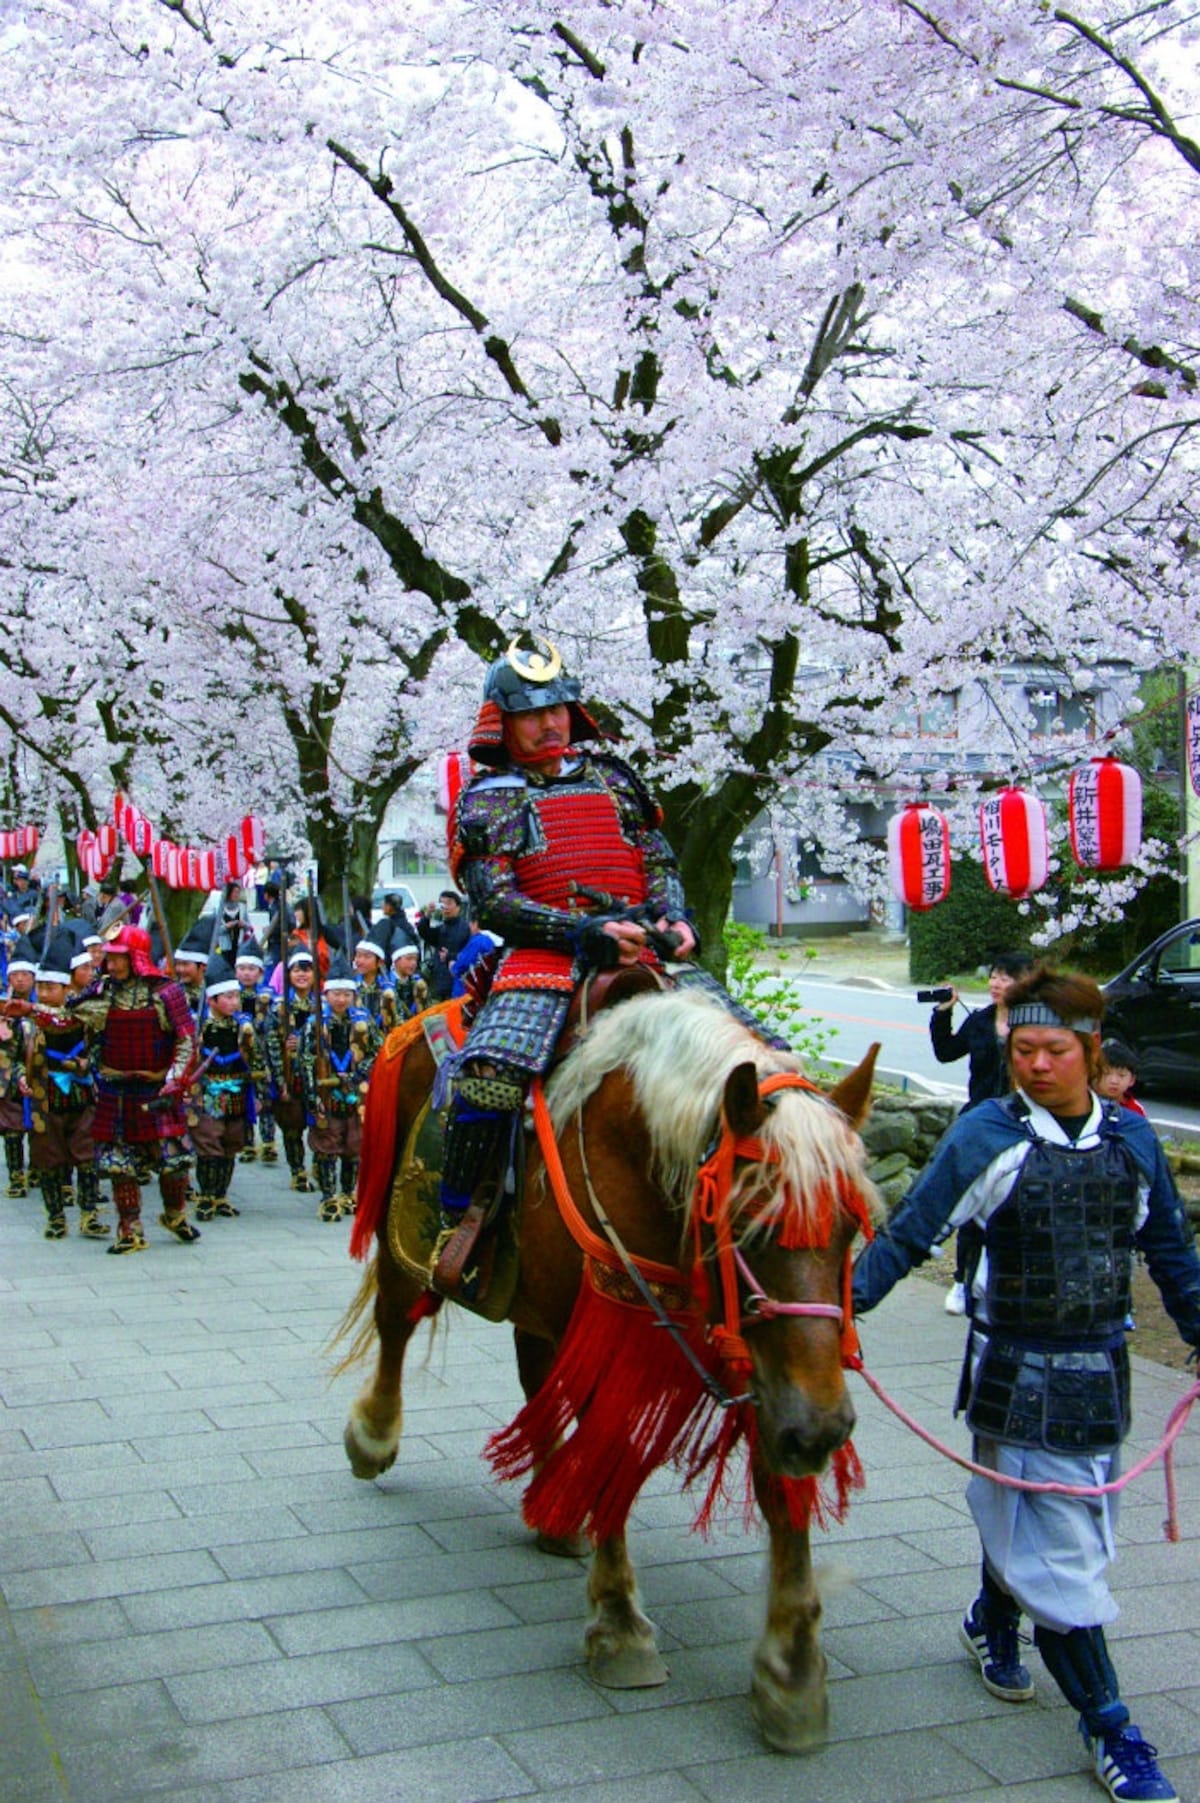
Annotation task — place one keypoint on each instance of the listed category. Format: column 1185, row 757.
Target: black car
column 1154, row 1005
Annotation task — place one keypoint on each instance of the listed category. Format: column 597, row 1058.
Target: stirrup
column 461, row 1267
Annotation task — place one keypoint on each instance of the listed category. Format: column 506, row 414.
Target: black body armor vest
column 1055, row 1371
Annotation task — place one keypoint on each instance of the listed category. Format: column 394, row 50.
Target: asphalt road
column 865, row 1013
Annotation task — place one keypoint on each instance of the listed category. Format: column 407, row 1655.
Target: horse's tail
column 359, row 1322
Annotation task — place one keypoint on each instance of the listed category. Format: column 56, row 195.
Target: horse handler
column 142, row 1027
column 1064, row 1187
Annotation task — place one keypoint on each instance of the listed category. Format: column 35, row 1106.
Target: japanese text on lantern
column 932, row 853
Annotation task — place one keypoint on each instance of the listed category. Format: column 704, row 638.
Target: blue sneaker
column 994, row 1641
column 1127, row 1766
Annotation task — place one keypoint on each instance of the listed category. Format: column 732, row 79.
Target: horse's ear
column 742, row 1106
column 853, row 1094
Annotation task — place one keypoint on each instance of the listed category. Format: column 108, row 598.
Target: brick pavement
column 198, row 1598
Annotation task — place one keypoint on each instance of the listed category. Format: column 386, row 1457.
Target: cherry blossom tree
column 782, row 363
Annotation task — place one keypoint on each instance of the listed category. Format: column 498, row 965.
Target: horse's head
column 796, row 1201
column 783, row 1192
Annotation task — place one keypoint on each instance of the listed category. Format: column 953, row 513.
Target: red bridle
column 711, row 1212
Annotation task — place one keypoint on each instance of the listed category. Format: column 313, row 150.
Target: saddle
column 477, row 1265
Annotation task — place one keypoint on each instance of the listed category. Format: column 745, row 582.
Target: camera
column 935, row 995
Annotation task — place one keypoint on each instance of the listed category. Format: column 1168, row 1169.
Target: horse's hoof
column 364, row 1464
column 563, row 1546
column 629, row 1668
column 785, row 1725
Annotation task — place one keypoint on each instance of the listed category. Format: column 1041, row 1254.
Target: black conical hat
column 340, row 974
column 220, row 978
column 22, row 955
column 196, row 942
column 55, row 967
column 249, row 950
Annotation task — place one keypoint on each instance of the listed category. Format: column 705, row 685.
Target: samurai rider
column 548, row 812
column 60, row 1096
column 1064, row 1187
column 22, row 971
column 337, row 1051
column 221, row 1109
column 256, row 999
column 285, row 1026
column 141, row 1030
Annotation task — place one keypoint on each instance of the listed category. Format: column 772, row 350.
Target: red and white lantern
column 453, row 771
column 1105, row 802
column 175, row 867
column 106, row 839
column 1016, row 842
column 160, row 859
column 253, row 842
column 235, row 860
column 141, row 834
column 919, row 856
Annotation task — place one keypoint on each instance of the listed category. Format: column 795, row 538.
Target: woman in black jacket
column 983, row 1036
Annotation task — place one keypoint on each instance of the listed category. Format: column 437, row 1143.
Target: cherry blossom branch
column 495, row 347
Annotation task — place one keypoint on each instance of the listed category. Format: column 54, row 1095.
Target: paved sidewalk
column 200, row 1601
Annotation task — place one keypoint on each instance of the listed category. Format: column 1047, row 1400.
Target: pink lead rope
column 1165, row 1450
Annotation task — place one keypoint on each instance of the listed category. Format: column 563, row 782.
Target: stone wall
column 900, row 1135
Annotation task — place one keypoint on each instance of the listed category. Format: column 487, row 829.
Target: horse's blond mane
column 678, row 1049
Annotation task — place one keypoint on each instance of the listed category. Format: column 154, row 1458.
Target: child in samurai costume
column 408, row 985
column 282, row 1035
column 22, row 970
column 375, row 993
column 337, row 1051
column 143, row 1039
column 60, row 1098
column 257, row 1000
column 222, row 1102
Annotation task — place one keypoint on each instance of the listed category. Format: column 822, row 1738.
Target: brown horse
column 634, row 1109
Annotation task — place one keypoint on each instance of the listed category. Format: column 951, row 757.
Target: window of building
column 1057, row 712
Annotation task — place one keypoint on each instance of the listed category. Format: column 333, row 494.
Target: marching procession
column 125, row 1066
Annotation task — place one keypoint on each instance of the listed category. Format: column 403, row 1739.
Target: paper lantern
column 919, row 856
column 1016, row 843
column 106, row 839
column 1191, row 733
column 453, row 770
column 206, row 870
column 253, row 841
column 6, row 846
column 141, row 834
column 160, row 853
column 234, row 858
column 1105, row 803
column 176, row 870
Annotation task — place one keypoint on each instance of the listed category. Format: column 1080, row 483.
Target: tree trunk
column 703, row 832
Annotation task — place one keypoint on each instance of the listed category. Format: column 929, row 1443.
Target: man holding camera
column 444, row 933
